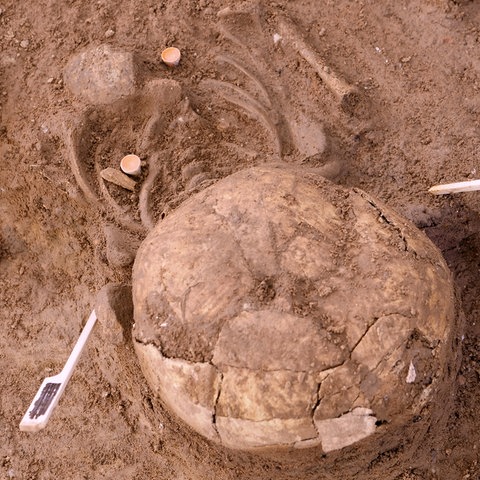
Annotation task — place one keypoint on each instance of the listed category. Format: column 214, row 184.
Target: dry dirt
column 417, row 69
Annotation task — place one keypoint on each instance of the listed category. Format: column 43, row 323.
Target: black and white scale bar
column 51, row 389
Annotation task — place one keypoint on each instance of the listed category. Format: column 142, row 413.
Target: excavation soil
column 65, row 233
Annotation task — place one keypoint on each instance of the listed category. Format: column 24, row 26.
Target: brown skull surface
column 278, row 309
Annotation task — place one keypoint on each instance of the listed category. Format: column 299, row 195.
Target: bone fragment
column 347, row 94
column 412, row 373
column 118, row 178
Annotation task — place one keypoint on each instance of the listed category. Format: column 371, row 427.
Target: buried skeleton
column 397, row 165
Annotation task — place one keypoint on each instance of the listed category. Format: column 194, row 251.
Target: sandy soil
column 64, row 233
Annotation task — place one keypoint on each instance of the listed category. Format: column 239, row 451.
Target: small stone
column 24, row 43
column 50, row 80
column 101, row 75
column 121, row 247
column 114, row 309
column 109, row 33
column 406, row 59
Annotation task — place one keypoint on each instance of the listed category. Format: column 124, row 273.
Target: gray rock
column 101, row 75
